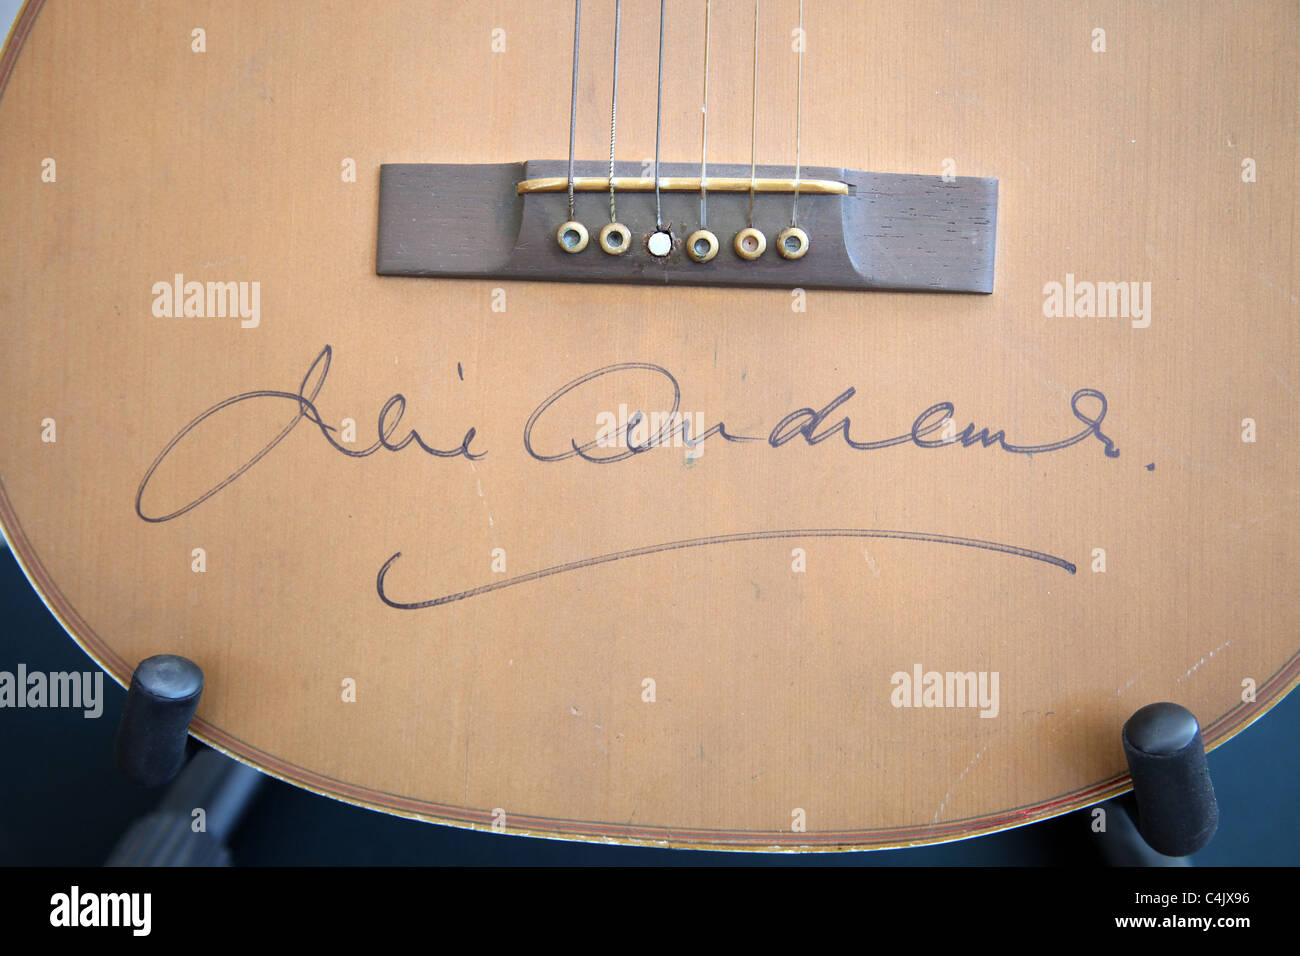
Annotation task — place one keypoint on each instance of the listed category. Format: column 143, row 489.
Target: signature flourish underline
column 711, row 540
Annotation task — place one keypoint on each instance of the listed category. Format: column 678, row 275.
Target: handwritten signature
column 808, row 424
column 813, row 425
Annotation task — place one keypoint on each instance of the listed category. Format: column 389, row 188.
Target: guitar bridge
column 861, row 230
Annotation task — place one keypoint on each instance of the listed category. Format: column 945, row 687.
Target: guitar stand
column 209, row 796
column 1170, row 814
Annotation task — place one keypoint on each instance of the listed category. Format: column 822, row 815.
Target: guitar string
column 753, row 123
column 798, row 122
column 573, row 102
column 613, row 110
column 659, row 106
column 613, row 126
column 704, row 129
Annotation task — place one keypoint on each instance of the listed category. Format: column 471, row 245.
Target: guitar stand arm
column 1172, row 811
column 208, row 798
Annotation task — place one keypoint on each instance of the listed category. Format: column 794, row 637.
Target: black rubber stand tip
column 160, row 704
column 1177, row 813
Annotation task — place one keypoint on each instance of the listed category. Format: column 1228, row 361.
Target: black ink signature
column 714, row 539
column 937, row 416
column 389, row 418
column 807, row 423
column 674, row 424
column 804, row 422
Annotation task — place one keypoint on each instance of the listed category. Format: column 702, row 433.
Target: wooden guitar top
column 774, row 567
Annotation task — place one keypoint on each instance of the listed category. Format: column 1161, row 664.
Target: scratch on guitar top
column 1066, row 721
column 466, row 797
column 947, row 796
column 469, row 730
column 1120, row 692
column 1269, row 283
column 479, row 482
column 1281, row 381
column 482, row 497
column 1258, row 519
column 1224, row 475
column 1197, row 666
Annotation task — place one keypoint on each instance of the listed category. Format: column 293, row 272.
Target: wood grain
column 772, row 659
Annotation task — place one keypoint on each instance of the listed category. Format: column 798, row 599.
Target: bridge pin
column 702, row 245
column 572, row 236
column 615, row 238
column 792, row 243
column 750, row 243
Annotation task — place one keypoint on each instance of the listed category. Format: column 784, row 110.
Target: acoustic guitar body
column 916, row 556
